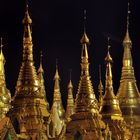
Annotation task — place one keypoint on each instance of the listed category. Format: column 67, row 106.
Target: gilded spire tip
column 70, row 83
column 85, row 39
column 56, row 73
column 108, row 58
column 27, row 19
column 127, row 40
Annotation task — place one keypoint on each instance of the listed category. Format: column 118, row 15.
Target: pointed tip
column 70, row 82
column 108, row 57
column 56, row 72
column 127, row 40
column 27, row 19
column 40, row 70
column 1, row 53
column 85, row 39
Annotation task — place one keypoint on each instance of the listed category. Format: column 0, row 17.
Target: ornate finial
column 56, row 73
column 108, row 58
column 85, row 39
column 27, row 19
column 128, row 12
column 127, row 40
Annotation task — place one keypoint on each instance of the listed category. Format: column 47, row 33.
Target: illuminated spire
column 110, row 106
column 40, row 70
column 100, row 87
column 57, row 113
column 86, row 121
column 29, row 104
column 127, row 41
column 41, row 80
column 5, row 97
column 70, row 100
column 85, row 95
column 85, row 39
column 128, row 93
column 57, row 93
column 2, row 61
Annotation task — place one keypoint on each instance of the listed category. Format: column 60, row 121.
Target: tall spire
column 128, row 93
column 57, row 93
column 57, row 113
column 41, row 79
column 85, row 94
column 70, row 100
column 127, row 41
column 86, row 121
column 5, row 97
column 29, row 105
column 27, row 67
column 100, row 87
column 110, row 106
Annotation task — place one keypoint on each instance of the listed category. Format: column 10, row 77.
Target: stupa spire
column 5, row 97
column 100, row 87
column 28, row 101
column 70, row 100
column 57, row 93
column 128, row 93
column 127, row 41
column 41, row 80
column 110, row 106
column 85, row 95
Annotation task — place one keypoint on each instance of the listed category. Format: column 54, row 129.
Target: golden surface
column 70, row 102
column 86, row 118
column 29, row 103
column 110, row 105
column 56, row 122
column 5, row 96
column 128, row 93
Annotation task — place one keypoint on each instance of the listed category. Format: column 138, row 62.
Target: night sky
column 57, row 29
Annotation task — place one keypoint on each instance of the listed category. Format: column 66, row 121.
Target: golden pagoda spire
column 127, row 41
column 57, row 93
column 57, row 113
column 85, row 94
column 29, row 104
column 128, row 93
column 110, row 106
column 41, row 79
column 86, row 121
column 100, row 87
column 70, row 100
column 5, row 97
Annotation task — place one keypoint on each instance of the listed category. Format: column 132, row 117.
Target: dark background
column 57, row 29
